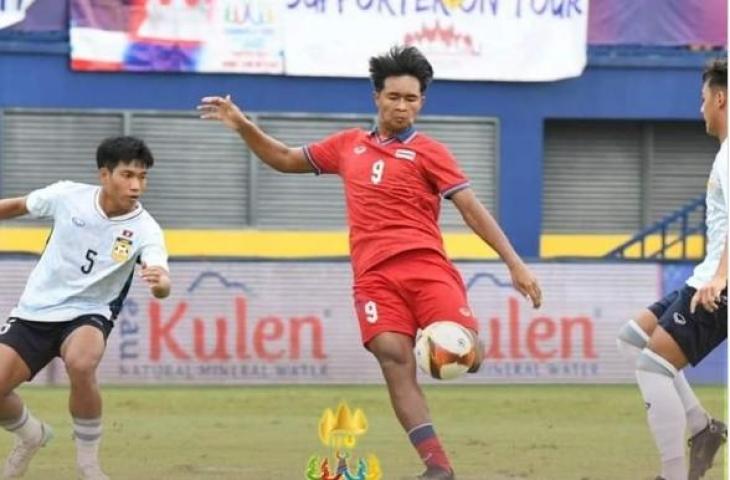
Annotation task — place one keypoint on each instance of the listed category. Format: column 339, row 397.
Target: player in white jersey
column 686, row 325
column 75, row 293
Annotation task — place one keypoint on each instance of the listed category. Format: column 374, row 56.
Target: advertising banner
column 13, row 12
column 251, row 322
column 33, row 17
column 177, row 35
column 696, row 23
column 506, row 40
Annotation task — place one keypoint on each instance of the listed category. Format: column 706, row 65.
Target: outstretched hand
column 526, row 283
column 223, row 109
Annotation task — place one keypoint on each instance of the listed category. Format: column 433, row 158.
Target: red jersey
column 393, row 190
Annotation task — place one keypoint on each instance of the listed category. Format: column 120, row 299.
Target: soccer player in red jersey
column 394, row 180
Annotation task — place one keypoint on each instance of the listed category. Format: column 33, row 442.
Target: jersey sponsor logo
column 79, row 222
column 359, row 150
column 121, row 249
column 679, row 318
column 405, row 154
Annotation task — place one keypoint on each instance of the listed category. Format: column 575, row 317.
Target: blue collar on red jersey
column 403, row 136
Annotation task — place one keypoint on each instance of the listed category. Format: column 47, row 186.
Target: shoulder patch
column 405, row 154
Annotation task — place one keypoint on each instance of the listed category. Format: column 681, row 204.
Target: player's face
column 124, row 185
column 398, row 104
column 713, row 103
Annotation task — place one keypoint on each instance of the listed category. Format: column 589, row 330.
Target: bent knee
column 394, row 356
column 392, row 350
column 632, row 334
column 82, row 366
column 390, row 360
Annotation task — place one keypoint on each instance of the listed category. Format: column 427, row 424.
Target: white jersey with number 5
column 717, row 211
column 88, row 263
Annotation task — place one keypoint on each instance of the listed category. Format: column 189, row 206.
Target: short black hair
column 715, row 74
column 115, row 150
column 400, row 61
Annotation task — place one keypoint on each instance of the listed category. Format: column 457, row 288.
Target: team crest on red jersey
column 359, row 150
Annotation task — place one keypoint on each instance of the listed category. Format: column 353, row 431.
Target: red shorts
column 410, row 291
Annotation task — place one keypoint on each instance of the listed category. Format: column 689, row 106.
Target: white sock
column 87, row 434
column 665, row 413
column 697, row 417
column 26, row 427
column 675, row 469
column 631, row 340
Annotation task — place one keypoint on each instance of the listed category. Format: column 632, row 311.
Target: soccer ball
column 445, row 350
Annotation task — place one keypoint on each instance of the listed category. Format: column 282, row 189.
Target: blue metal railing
column 679, row 218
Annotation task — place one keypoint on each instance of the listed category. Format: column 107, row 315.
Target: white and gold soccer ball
column 445, row 350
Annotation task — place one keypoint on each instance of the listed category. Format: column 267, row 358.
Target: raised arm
column 483, row 224
column 270, row 150
column 12, row 207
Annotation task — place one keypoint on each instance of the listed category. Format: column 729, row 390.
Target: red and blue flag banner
column 177, row 35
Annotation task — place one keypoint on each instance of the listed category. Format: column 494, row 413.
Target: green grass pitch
column 268, row 433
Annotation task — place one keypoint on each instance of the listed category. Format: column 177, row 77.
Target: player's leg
column 436, row 292
column 388, row 328
column 634, row 334
column 81, row 351
column 394, row 352
column 480, row 352
column 656, row 369
column 679, row 339
column 633, row 338
column 705, row 444
column 23, row 352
